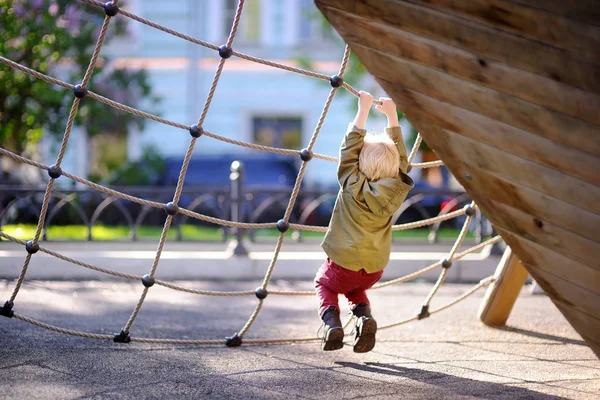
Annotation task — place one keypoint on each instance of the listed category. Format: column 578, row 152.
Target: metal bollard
column 237, row 207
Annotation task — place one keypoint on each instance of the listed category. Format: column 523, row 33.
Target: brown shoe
column 364, row 330
column 333, row 337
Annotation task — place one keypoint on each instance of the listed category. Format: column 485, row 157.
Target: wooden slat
column 519, row 170
column 587, row 327
column 567, row 293
column 500, row 135
column 487, row 42
column 580, row 10
column 544, row 233
column 493, row 104
column 552, row 262
column 501, row 295
column 517, row 82
column 531, row 23
column 484, row 185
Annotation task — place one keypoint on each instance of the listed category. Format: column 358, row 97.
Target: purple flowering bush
column 57, row 38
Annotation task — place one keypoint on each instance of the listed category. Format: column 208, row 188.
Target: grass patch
column 188, row 232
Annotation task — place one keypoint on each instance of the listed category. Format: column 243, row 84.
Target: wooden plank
column 586, row 326
column 519, row 170
column 581, row 10
column 499, row 135
column 493, row 104
column 551, row 261
column 501, row 295
column 482, row 184
column 512, row 50
column 496, row 75
column 531, row 23
column 544, row 233
column 561, row 290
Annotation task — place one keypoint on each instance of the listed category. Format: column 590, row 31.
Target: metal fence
column 236, row 201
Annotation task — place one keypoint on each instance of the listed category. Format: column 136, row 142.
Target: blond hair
column 379, row 157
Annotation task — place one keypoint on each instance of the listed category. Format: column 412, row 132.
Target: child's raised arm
column 388, row 107
column 354, row 139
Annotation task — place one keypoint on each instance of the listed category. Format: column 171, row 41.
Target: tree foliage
column 57, row 38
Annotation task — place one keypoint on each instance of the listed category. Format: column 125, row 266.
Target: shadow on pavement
column 450, row 383
column 540, row 335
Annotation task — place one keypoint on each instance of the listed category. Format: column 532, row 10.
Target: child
column 373, row 185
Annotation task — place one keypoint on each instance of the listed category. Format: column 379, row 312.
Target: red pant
column 332, row 280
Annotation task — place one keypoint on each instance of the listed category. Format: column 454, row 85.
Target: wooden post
column 502, row 294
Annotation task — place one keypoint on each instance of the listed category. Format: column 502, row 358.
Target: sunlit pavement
column 450, row 355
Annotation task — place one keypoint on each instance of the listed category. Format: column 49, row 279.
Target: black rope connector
column 409, row 168
column 336, row 81
column 122, row 337
column 54, row 172
column 282, row 226
column 424, row 312
column 32, row 247
column 7, row 310
column 147, row 280
column 225, row 52
column 306, row 155
column 233, row 341
column 196, row 131
column 469, row 210
column 446, row 263
column 261, row 293
column 111, row 9
column 171, row 208
column 80, row 92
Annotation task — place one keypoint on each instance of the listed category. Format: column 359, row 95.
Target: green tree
column 57, row 38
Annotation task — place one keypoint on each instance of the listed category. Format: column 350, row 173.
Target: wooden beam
column 482, row 184
column 490, row 103
column 581, row 10
column 586, row 326
column 502, row 294
column 565, row 292
column 463, row 64
column 532, row 23
column 543, row 233
column 479, row 128
column 549, row 260
column 518, row 170
column 510, row 49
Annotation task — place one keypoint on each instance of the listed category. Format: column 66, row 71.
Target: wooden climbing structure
column 507, row 93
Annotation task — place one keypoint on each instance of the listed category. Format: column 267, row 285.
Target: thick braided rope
column 188, row 155
column 482, row 283
column 59, row 158
column 186, row 162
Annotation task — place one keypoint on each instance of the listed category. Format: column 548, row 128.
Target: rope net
column 226, row 51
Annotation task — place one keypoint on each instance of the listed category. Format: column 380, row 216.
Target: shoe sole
column 334, row 339
column 365, row 335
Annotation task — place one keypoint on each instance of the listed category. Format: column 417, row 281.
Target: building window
column 282, row 132
column 249, row 30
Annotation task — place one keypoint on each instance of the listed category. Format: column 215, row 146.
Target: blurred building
column 253, row 103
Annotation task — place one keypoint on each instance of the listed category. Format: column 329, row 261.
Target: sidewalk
column 199, row 261
column 450, row 355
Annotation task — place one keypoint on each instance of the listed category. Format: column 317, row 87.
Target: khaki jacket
column 360, row 230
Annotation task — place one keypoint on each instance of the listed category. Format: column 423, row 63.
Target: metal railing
column 237, row 201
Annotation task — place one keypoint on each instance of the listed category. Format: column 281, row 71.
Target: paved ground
column 448, row 356
column 197, row 261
